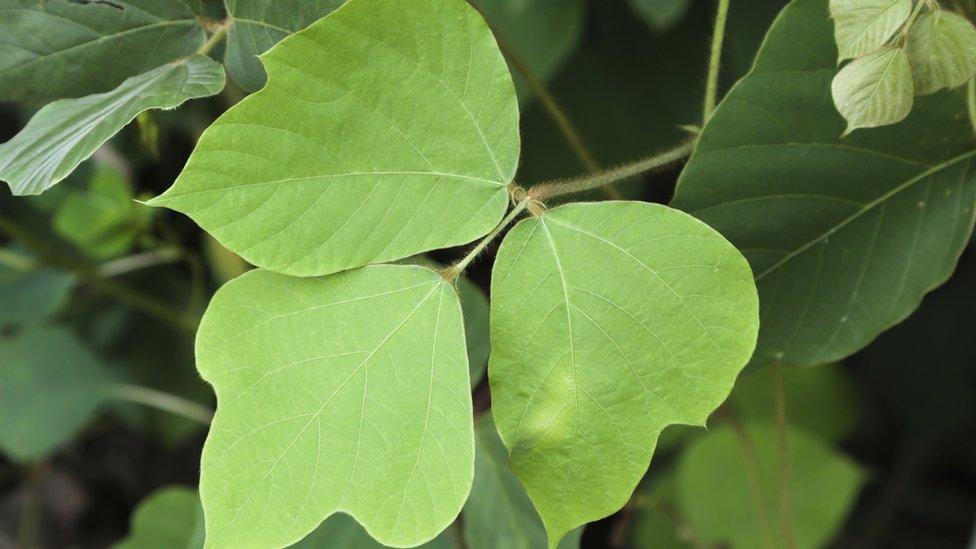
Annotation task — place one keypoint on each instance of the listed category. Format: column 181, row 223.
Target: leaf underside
column 345, row 393
column 942, row 48
column 609, row 321
column 874, row 90
column 406, row 142
column 863, row 26
column 845, row 235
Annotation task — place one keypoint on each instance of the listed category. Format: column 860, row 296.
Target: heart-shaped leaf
column 863, row 26
column 845, row 236
column 170, row 517
column 62, row 48
column 875, row 89
column 942, row 49
column 64, row 133
column 345, row 393
column 406, row 142
column 610, row 321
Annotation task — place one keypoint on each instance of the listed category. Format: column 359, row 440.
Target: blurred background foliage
column 100, row 296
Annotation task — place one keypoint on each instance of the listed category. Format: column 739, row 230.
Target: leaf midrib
column 867, row 207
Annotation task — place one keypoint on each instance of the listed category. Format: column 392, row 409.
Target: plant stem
column 136, row 262
column 903, row 35
column 162, row 401
column 715, row 60
column 16, row 261
column 779, row 395
column 580, row 184
column 754, row 471
column 454, row 271
column 216, row 37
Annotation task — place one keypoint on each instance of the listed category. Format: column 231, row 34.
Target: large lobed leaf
column 66, row 132
column 845, row 236
column 609, row 322
column 406, row 142
column 346, row 393
column 60, row 48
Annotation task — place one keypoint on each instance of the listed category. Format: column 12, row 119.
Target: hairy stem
column 715, row 60
column 454, row 271
column 783, row 479
column 580, row 184
column 219, row 33
column 162, row 401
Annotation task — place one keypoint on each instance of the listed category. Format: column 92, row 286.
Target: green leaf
column 942, row 49
column 821, row 399
column 845, row 236
column 260, row 24
column 340, row 531
column 498, row 512
column 102, row 221
column 609, row 322
column 863, row 26
column 718, row 500
column 64, row 133
column 474, row 303
column 31, row 294
column 406, row 143
column 875, row 89
column 345, row 393
column 61, row 48
column 50, row 386
column 661, row 15
column 168, row 518
column 543, row 33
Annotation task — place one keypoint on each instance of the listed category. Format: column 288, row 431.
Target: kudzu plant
column 381, row 130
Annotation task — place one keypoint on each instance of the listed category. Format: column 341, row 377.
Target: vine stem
column 162, row 401
column 219, row 33
column 625, row 171
column 454, row 271
column 783, row 480
column 715, row 60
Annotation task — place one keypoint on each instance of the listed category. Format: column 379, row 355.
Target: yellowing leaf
column 942, row 49
column 874, row 90
column 609, row 321
column 405, row 142
column 346, row 393
column 863, row 26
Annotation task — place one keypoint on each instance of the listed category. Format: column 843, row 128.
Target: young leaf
column 661, row 15
column 543, row 33
column 845, row 236
column 863, row 26
column 31, row 294
column 406, row 142
column 498, row 512
column 50, row 386
column 346, row 393
column 61, row 48
column 718, row 500
column 874, row 90
column 609, row 322
column 167, row 518
column 260, row 24
column 942, row 49
column 64, row 133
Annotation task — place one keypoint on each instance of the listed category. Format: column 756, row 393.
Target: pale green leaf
column 875, row 89
column 32, row 293
column 169, row 518
column 260, row 24
column 60, row 48
column 345, row 393
column 50, row 386
column 498, row 512
column 863, row 26
column 942, row 49
column 542, row 33
column 102, row 220
column 406, row 142
column 717, row 498
column 64, row 133
column 844, row 236
column 610, row 321
column 661, row 15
